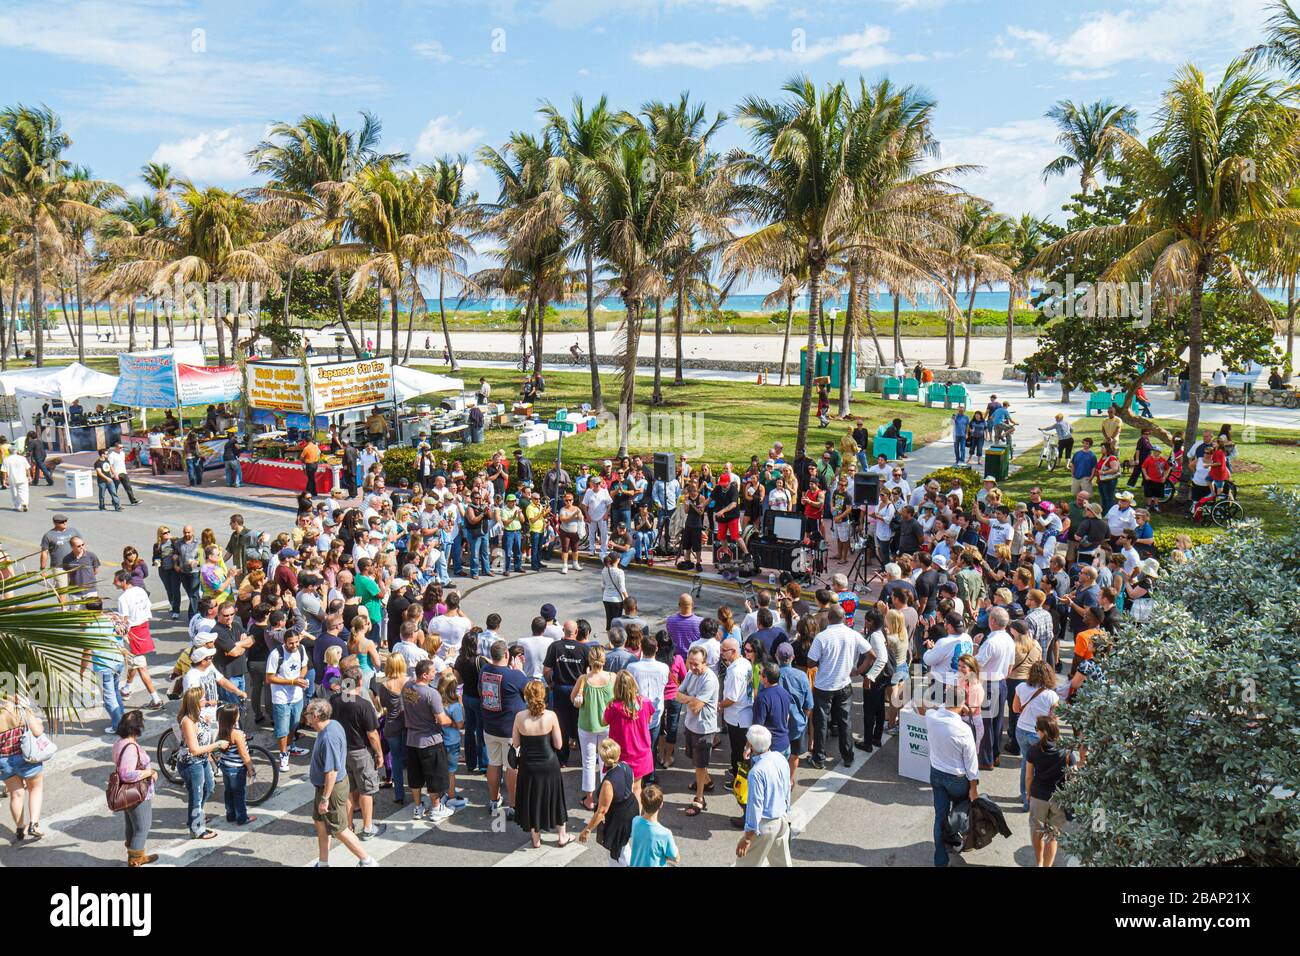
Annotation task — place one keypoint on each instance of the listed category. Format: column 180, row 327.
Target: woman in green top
column 591, row 695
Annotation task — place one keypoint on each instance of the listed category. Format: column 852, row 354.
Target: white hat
column 201, row 654
column 1124, row 496
column 941, row 560
column 1151, row 568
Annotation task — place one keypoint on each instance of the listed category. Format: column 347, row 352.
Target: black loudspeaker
column 866, row 489
column 665, row 466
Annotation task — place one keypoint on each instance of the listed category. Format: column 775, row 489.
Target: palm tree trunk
column 627, row 391
column 1009, row 355
column 395, row 320
column 814, row 316
column 81, row 316
column 870, row 322
column 1290, row 328
column 171, row 332
column 410, row 331
column 379, row 320
column 970, row 318
column 1195, row 340
column 898, row 334
column 130, row 325
column 67, row 319
column 950, row 322
column 846, row 343
column 38, row 297
column 597, row 400
column 157, row 325
column 343, row 316
column 681, row 309
column 4, row 334
column 785, row 342
column 657, row 398
column 446, row 332
column 220, row 326
column 288, row 291
column 539, row 334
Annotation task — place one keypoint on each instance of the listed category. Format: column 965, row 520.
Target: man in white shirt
column 737, row 704
column 117, row 458
column 407, row 646
column 1220, row 381
column 941, row 656
column 535, row 647
column 897, row 481
column 996, row 657
column 553, row 629
column 954, row 771
column 596, row 503
column 834, row 652
column 1121, row 517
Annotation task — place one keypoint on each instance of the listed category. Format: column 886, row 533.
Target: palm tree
column 641, row 220
column 979, row 253
column 45, row 635
column 528, row 219
column 457, row 213
column 577, row 141
column 79, row 227
column 311, row 164
column 798, row 187
column 1213, row 188
column 1026, row 240
column 901, row 215
column 36, row 192
column 679, row 134
column 217, row 236
column 1088, row 134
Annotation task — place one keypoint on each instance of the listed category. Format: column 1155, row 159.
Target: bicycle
column 1050, row 456
column 577, row 358
column 263, row 778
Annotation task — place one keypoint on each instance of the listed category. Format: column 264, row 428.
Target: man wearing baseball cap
column 512, row 523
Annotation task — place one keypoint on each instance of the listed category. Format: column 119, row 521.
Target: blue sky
column 194, row 84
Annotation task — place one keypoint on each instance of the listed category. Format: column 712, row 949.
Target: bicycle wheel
column 265, row 776
column 167, row 756
column 1227, row 512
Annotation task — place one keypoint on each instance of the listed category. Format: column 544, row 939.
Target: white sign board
column 340, row 386
column 913, row 746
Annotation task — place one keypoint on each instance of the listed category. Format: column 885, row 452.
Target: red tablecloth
column 285, row 474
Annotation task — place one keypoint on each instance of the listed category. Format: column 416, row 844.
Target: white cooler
column 79, row 484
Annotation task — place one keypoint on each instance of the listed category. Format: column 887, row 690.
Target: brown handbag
column 123, row 796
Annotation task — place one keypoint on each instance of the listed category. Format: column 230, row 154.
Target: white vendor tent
column 64, row 382
column 410, row 382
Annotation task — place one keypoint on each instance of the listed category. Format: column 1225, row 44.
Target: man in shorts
column 286, row 673
column 354, row 711
column 501, row 693
column 330, row 810
column 426, row 755
column 842, row 515
column 727, row 513
column 698, row 694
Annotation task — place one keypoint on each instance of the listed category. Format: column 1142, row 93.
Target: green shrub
column 971, row 482
column 399, row 463
column 1166, row 540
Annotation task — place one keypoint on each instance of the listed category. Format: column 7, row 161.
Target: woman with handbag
column 22, row 738
column 130, row 787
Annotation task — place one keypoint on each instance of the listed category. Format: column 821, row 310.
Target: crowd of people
column 346, row 638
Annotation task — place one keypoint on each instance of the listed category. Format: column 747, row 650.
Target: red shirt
column 1154, row 467
column 1219, row 466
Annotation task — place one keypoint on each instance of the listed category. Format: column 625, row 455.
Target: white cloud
column 432, row 50
column 217, row 156
column 1012, row 156
column 1165, row 31
column 1087, row 76
column 442, row 137
column 864, row 50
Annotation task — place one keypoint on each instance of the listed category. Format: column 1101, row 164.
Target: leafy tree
column 1190, row 736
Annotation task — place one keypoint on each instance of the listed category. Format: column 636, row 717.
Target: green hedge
column 971, row 482
column 1166, row 539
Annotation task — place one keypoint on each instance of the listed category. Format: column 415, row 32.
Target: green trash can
column 997, row 464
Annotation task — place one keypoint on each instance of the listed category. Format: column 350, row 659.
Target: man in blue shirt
column 960, row 424
column 772, row 708
column 767, row 831
column 666, row 494
column 1082, row 466
column 328, row 774
column 797, row 686
column 999, row 420
column 501, row 692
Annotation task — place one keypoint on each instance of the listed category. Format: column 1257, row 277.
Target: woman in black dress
column 539, row 790
column 616, row 806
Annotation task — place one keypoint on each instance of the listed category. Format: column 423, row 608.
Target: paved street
column 865, row 816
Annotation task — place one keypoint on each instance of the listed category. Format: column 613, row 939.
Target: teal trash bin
column 828, row 364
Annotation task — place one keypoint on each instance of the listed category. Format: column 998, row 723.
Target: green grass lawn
column 736, row 419
column 1259, row 463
